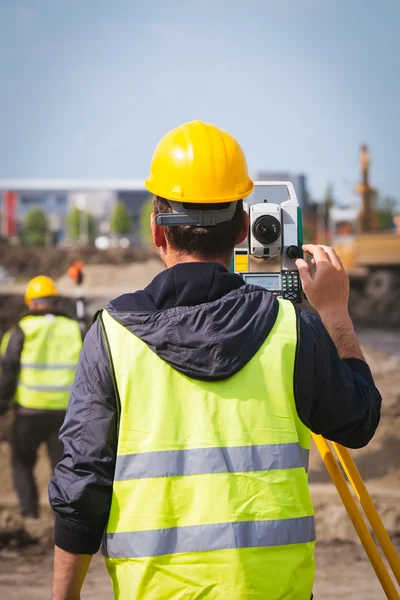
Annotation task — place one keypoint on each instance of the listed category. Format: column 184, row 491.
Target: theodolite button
column 293, row 252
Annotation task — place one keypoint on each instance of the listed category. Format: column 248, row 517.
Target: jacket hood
column 201, row 319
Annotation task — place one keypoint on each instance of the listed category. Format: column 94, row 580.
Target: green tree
column 121, row 221
column 35, row 228
column 386, row 208
column 145, row 214
column 73, row 224
column 81, row 226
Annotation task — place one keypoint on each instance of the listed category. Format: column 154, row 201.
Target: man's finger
column 335, row 260
column 304, row 271
column 340, row 260
column 317, row 252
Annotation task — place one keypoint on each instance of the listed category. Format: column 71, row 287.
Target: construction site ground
column 343, row 570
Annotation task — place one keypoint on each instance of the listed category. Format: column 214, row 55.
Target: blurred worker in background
column 39, row 360
column 190, row 458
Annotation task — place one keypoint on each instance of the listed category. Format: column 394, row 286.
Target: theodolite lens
column 266, row 229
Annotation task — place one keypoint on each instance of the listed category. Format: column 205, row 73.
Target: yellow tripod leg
column 369, row 508
column 356, row 518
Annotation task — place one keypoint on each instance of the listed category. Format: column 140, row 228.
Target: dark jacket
column 10, row 364
column 207, row 324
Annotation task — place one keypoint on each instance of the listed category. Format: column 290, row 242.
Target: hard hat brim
column 198, row 200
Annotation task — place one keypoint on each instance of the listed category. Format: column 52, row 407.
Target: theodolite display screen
column 270, row 281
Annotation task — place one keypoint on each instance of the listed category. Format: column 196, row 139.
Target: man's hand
column 328, row 293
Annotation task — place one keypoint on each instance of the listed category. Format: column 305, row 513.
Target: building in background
column 56, row 198
column 17, row 203
column 8, row 208
column 134, row 201
column 54, row 205
column 99, row 203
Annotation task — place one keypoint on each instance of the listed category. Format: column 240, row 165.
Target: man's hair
column 202, row 242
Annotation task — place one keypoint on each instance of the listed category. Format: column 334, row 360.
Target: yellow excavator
column 372, row 257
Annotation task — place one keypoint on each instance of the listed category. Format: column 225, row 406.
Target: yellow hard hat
column 197, row 162
column 40, row 287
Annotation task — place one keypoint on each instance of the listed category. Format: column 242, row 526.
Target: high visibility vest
column 210, row 495
column 49, row 359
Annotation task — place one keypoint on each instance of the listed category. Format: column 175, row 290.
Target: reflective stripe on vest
column 199, row 461
column 45, row 388
column 43, row 366
column 210, row 492
column 4, row 342
column 48, row 361
column 204, row 538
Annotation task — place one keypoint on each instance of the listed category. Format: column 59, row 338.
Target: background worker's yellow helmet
column 40, row 287
column 197, row 162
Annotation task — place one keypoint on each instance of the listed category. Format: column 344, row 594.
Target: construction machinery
column 372, row 257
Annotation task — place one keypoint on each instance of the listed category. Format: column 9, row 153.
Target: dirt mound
column 108, row 273
column 110, row 281
column 380, row 460
column 24, row 263
column 333, row 523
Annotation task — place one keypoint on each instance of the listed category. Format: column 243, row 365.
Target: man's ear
column 245, row 229
column 157, row 232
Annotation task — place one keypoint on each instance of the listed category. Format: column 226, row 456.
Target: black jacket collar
column 199, row 318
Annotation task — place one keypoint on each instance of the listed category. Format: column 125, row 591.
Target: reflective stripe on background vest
column 4, row 342
column 210, row 494
column 48, row 361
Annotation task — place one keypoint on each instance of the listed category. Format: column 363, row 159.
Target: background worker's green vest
column 210, row 495
column 48, row 361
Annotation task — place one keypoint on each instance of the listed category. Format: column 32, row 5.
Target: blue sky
column 87, row 87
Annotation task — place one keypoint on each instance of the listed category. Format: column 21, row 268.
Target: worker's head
column 41, row 293
column 199, row 176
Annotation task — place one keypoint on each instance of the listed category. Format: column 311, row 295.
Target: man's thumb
column 304, row 270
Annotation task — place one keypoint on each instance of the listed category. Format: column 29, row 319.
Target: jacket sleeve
column 335, row 398
column 81, row 489
column 10, row 366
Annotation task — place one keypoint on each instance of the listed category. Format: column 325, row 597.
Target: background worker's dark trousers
column 29, row 431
